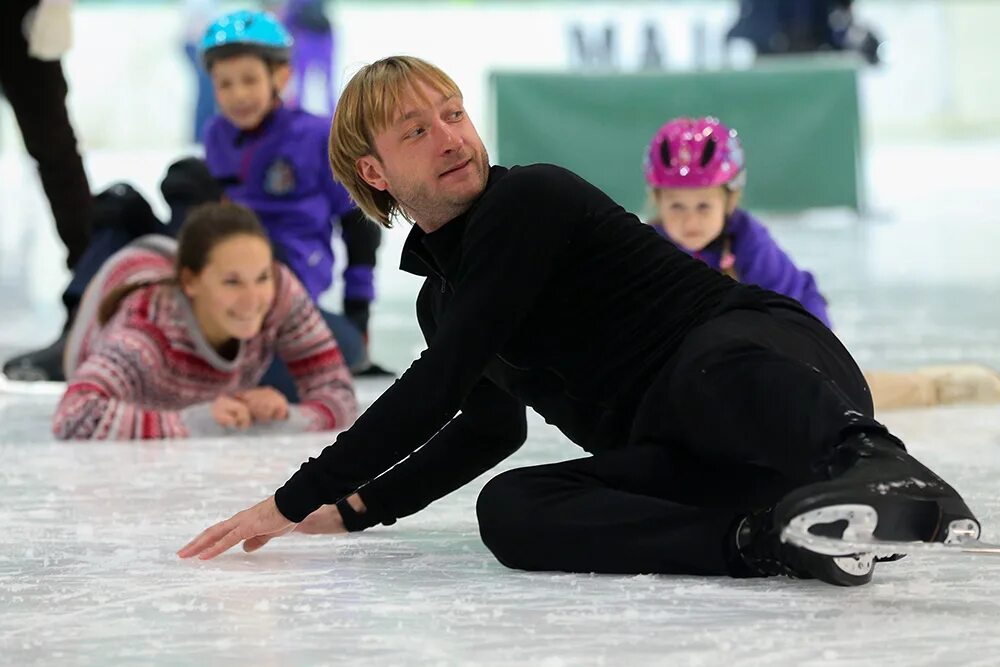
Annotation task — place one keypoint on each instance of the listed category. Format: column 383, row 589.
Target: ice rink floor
column 88, row 574
column 88, row 531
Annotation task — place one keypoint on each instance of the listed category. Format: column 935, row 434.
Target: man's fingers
column 306, row 527
column 255, row 543
column 258, row 541
column 324, row 521
column 257, row 525
column 208, row 537
column 228, row 541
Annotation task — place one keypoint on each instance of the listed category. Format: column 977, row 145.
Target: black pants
column 749, row 408
column 37, row 92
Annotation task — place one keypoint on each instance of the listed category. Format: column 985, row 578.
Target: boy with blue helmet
column 273, row 159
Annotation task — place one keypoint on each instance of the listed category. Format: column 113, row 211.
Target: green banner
column 799, row 123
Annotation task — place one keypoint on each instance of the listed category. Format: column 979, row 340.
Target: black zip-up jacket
column 546, row 293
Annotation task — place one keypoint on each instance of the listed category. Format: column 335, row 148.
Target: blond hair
column 367, row 106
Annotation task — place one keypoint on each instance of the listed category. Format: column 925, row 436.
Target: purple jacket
column 760, row 261
column 281, row 172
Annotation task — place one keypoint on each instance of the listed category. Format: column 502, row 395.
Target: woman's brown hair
column 205, row 227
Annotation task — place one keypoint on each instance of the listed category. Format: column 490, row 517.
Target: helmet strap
column 733, row 197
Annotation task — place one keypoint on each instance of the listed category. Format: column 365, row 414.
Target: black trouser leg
column 37, row 90
column 750, row 407
column 629, row 511
column 775, row 390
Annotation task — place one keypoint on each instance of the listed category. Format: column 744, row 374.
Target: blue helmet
column 247, row 32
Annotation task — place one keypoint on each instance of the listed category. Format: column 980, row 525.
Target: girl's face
column 693, row 217
column 233, row 293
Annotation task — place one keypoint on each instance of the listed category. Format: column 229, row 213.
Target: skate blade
column 859, row 536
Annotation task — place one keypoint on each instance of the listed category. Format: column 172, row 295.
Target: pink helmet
column 695, row 153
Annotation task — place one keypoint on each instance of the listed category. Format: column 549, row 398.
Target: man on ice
column 716, row 414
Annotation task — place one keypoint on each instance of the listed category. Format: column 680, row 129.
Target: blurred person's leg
column 37, row 91
column 348, row 338
column 313, row 51
column 361, row 241
column 121, row 215
column 205, row 102
column 326, row 66
column 46, row 364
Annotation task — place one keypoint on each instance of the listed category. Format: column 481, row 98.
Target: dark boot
column 45, row 365
column 759, row 546
column 870, row 470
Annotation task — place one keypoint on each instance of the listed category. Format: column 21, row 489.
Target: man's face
column 430, row 158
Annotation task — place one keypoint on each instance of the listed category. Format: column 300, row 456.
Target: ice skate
column 759, row 544
column 879, row 500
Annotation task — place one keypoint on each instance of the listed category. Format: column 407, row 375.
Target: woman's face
column 234, row 291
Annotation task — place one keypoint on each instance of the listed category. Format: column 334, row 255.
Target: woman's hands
column 259, row 405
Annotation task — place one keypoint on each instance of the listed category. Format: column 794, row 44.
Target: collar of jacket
column 277, row 114
column 438, row 253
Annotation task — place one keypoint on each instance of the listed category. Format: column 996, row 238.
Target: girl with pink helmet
column 696, row 171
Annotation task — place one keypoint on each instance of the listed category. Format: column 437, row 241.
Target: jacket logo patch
column 279, row 179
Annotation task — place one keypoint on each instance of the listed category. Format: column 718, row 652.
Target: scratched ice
column 88, row 573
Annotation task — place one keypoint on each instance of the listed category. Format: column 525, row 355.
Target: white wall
column 132, row 88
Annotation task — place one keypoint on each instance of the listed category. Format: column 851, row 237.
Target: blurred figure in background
column 119, row 216
column 273, row 159
column 265, row 156
column 198, row 15
column 33, row 37
column 173, row 338
column 696, row 171
column 312, row 51
column 775, row 27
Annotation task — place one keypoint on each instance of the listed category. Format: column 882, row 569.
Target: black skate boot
column 759, row 545
column 38, row 366
column 877, row 491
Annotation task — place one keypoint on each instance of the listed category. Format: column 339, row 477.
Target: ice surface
column 88, row 573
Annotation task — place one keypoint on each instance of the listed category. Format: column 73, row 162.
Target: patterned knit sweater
column 149, row 372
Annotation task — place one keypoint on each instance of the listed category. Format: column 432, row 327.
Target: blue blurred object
column 250, row 28
column 313, row 52
column 205, row 97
